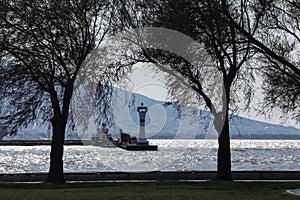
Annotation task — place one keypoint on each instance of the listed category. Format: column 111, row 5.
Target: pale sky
column 146, row 82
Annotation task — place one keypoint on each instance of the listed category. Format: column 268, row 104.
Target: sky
column 146, row 82
column 143, row 80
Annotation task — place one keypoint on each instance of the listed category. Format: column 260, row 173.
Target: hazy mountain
column 167, row 121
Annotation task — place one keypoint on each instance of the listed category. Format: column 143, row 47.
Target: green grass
column 149, row 190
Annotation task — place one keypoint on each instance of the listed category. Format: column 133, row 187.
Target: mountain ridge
column 166, row 122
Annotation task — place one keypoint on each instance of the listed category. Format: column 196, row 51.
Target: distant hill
column 166, row 121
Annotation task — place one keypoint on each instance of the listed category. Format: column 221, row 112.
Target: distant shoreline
column 89, row 142
column 42, row 142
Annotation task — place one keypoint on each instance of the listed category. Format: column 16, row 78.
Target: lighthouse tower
column 142, row 113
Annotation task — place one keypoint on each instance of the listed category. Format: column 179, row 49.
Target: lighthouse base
column 134, row 144
column 142, row 140
column 139, row 147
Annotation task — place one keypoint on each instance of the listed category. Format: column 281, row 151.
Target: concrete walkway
column 157, row 175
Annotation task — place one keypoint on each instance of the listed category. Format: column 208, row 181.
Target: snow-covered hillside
column 166, row 122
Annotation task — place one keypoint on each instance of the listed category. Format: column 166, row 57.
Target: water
column 173, row 155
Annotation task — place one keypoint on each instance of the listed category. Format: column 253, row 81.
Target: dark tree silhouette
column 274, row 32
column 227, row 50
column 282, row 83
column 46, row 43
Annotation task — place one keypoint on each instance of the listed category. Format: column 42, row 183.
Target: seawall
column 157, row 176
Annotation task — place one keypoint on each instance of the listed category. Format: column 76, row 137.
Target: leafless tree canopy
column 240, row 37
column 273, row 30
column 46, row 43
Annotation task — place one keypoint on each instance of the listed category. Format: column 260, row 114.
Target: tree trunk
column 55, row 174
column 224, row 158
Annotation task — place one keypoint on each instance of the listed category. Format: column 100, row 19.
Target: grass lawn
column 149, row 190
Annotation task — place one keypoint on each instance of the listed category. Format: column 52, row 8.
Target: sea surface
column 172, row 155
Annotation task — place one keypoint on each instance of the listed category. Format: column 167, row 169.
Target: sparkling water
column 172, row 155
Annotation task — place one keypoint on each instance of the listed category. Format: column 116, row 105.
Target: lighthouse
column 140, row 143
column 142, row 114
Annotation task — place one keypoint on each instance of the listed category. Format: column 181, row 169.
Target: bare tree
column 282, row 30
column 227, row 52
column 274, row 31
column 46, row 43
